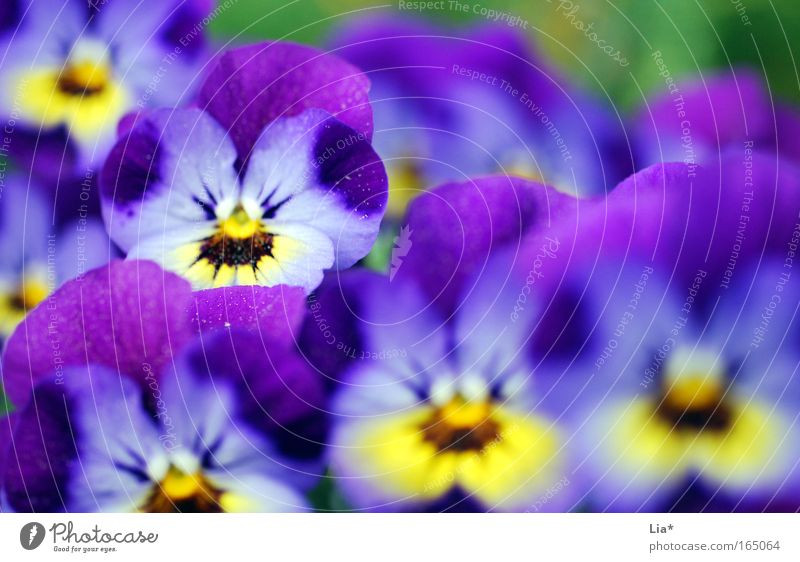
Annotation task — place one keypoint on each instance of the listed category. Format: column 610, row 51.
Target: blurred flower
column 451, row 105
column 38, row 257
column 701, row 118
column 452, row 421
column 261, row 187
column 436, row 408
column 71, row 70
column 95, row 443
column 665, row 330
column 161, row 420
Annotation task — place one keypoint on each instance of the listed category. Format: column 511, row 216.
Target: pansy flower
column 160, row 420
column 271, row 181
column 437, row 407
column 85, row 65
column 38, row 257
column 453, row 104
column 91, row 443
column 668, row 335
column 696, row 120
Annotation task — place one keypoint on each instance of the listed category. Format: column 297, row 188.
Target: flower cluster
column 201, row 309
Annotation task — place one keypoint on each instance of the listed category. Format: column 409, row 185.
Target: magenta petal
column 251, row 86
column 274, row 312
column 461, row 223
column 129, row 316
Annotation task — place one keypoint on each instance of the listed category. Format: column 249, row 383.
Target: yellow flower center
column 15, row 305
column 693, row 391
column 462, row 426
column 240, row 225
column 179, row 492
column 405, row 183
column 84, row 78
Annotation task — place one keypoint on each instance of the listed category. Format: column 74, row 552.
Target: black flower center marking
column 695, row 401
column 240, row 241
column 183, row 493
column 83, row 79
column 461, row 426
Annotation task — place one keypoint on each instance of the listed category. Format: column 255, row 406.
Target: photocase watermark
column 625, row 319
column 168, row 438
column 8, row 132
column 185, row 40
column 400, row 248
column 744, row 216
column 450, row 476
column 341, row 144
column 67, row 539
column 685, row 125
column 663, row 352
column 548, row 495
column 31, row 535
column 547, row 250
column 51, row 306
column 524, row 98
column 570, row 12
column 760, row 332
column 326, row 330
column 85, row 193
column 474, row 8
column 741, row 9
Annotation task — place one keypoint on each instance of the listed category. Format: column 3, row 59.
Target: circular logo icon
column 31, row 535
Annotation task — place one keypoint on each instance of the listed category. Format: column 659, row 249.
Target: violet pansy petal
column 115, row 440
column 504, row 108
column 125, row 316
column 492, row 332
column 407, row 340
column 167, row 173
column 274, row 312
column 684, row 219
column 315, row 169
column 279, row 395
column 713, row 113
column 249, row 87
column 463, row 222
column 36, row 473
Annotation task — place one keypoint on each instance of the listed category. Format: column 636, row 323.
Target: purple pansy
column 38, row 257
column 461, row 224
column 453, row 105
column 270, row 182
column 176, row 401
column 92, row 442
column 85, row 65
column 435, row 408
column 699, row 119
column 666, row 331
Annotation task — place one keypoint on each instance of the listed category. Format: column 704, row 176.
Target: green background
column 694, row 36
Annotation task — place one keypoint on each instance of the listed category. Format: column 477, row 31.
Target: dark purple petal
column 36, row 472
column 280, row 394
column 684, row 219
column 122, row 316
column 49, row 155
column 454, row 227
column 501, row 105
column 10, row 12
column 157, row 175
column 787, row 121
column 315, row 170
column 706, row 116
column 274, row 312
column 330, row 335
column 249, row 87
